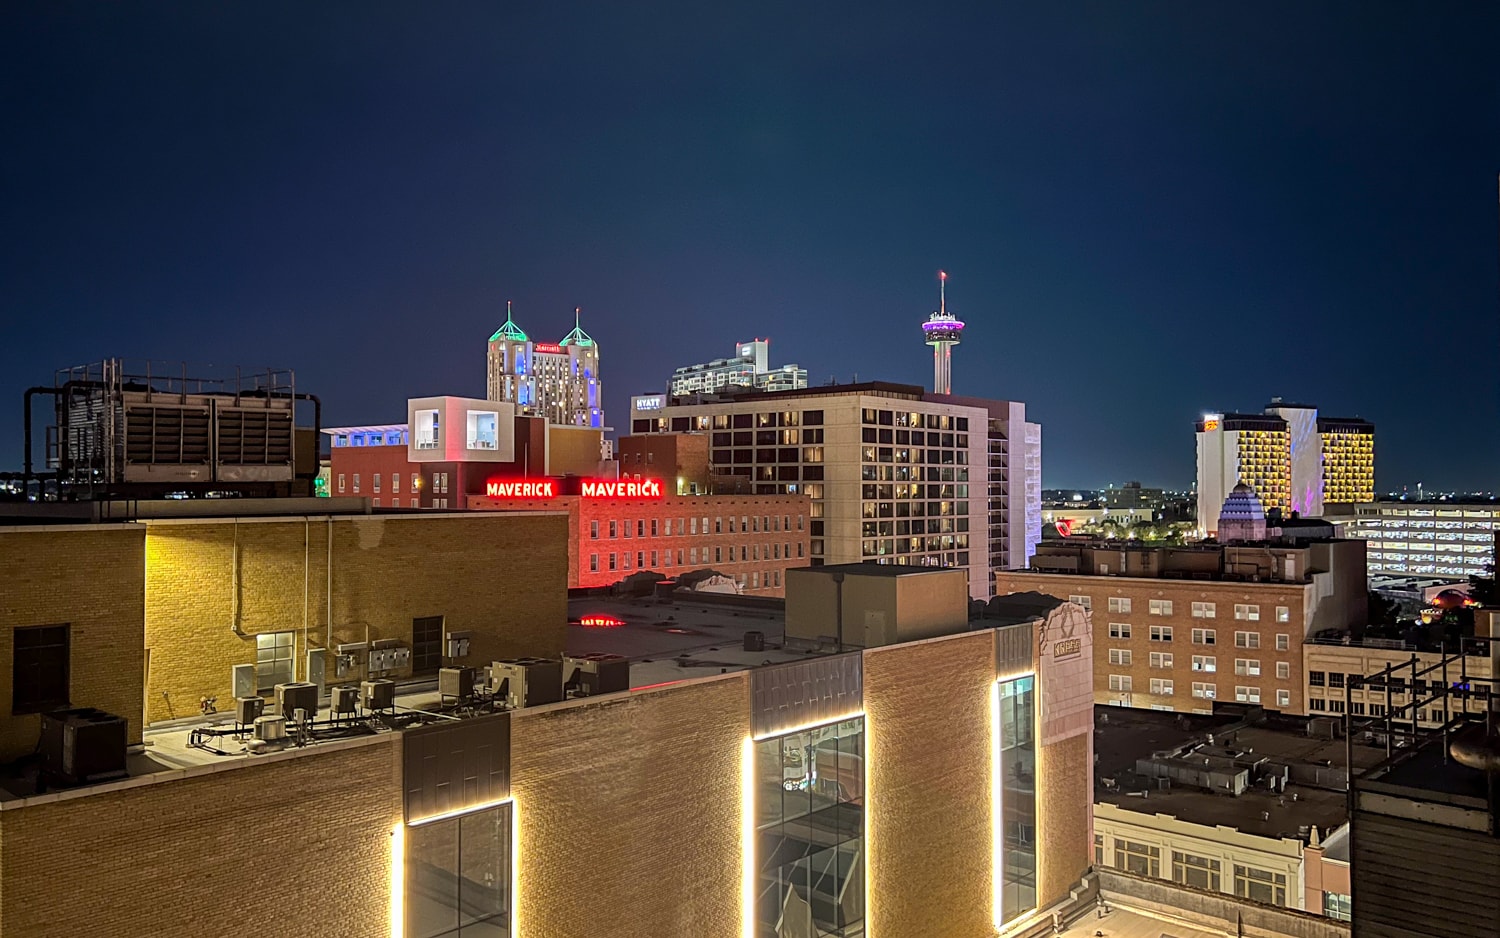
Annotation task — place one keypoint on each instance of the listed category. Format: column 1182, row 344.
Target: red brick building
column 751, row 538
column 375, row 462
column 679, row 458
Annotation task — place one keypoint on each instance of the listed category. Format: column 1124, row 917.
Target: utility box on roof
column 865, row 605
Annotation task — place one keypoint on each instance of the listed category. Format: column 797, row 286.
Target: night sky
column 1147, row 210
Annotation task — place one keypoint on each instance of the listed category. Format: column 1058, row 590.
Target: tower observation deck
column 942, row 331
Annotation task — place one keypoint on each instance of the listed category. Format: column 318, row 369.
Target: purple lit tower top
column 942, row 331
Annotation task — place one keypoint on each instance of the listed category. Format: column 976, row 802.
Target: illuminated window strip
column 856, row 715
column 460, row 812
column 747, row 815
column 997, row 805
column 398, row 863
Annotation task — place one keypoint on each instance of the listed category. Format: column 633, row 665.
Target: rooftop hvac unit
column 246, row 709
column 83, row 745
column 755, row 641
column 342, row 700
column 457, row 683
column 269, row 729
column 299, row 695
column 377, row 695
column 588, row 675
column 527, row 682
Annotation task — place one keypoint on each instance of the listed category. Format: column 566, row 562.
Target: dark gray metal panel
column 1418, row 880
column 1013, row 648
column 451, row 766
column 800, row 693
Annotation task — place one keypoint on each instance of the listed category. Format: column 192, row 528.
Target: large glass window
column 1140, row 859
column 1017, row 797
column 1199, row 872
column 809, row 816
column 1337, row 905
column 484, row 430
column 1260, row 885
column 429, row 429
column 458, row 876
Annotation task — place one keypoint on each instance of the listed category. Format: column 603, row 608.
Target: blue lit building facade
column 557, row 381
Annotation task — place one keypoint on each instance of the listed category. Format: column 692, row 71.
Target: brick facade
column 1276, row 692
column 629, row 809
column 91, row 578
column 630, row 812
column 680, row 458
column 753, row 538
column 929, row 804
column 499, row 577
column 287, row 847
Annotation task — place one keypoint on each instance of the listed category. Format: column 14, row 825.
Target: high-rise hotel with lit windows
column 557, row 381
column 1295, row 459
column 896, row 475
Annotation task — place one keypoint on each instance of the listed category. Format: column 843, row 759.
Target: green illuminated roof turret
column 510, row 330
column 577, row 336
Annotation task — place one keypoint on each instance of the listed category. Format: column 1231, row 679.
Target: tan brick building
column 81, row 589
column 1328, row 668
column 266, row 591
column 947, row 781
column 1181, row 628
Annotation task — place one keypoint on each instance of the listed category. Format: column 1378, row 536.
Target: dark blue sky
column 1147, row 209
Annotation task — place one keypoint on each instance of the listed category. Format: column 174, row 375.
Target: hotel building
column 894, row 474
column 556, row 381
column 749, row 368
column 1294, row 459
column 807, row 796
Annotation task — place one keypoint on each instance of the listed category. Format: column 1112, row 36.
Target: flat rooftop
column 672, row 640
column 666, row 641
column 876, row 569
column 1123, row 735
column 1015, row 608
column 1428, row 775
column 1128, row 923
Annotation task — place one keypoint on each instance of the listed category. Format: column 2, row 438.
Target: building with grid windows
column 1239, row 803
column 557, row 381
column 749, row 368
column 1348, row 460
column 1454, row 539
column 1181, row 628
column 894, row 474
column 1294, row 459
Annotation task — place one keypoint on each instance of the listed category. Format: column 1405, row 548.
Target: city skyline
column 1145, row 217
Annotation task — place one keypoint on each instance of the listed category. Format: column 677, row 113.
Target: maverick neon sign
column 588, row 488
column 600, row 488
column 547, row 489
